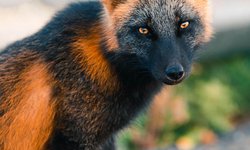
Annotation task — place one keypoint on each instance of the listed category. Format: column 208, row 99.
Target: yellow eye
column 144, row 31
column 184, row 25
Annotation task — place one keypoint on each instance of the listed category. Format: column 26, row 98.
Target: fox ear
column 112, row 4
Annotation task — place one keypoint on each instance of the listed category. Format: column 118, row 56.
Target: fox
column 91, row 70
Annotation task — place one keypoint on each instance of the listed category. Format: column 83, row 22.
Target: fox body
column 83, row 77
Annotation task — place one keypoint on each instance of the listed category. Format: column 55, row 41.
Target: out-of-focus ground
column 236, row 140
column 231, row 19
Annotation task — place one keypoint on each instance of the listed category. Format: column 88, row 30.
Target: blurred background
column 209, row 111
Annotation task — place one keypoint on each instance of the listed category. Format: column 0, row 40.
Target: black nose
column 175, row 73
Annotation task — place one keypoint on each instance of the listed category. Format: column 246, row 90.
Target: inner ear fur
column 112, row 4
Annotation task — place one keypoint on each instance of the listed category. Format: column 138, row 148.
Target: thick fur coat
column 93, row 68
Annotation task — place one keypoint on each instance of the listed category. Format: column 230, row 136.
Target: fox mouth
column 173, row 79
column 172, row 82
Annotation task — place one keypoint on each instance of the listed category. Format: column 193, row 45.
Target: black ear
column 112, row 4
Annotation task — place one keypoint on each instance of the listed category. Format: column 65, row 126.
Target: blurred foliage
column 216, row 95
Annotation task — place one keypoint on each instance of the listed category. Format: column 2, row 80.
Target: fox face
column 162, row 35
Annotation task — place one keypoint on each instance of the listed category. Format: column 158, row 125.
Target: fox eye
column 184, row 25
column 144, row 30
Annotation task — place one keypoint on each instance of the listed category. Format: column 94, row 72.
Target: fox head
column 162, row 35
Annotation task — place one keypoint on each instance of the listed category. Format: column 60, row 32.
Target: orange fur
column 108, row 5
column 113, row 18
column 109, row 33
column 28, row 123
column 203, row 8
column 117, row 16
column 97, row 68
